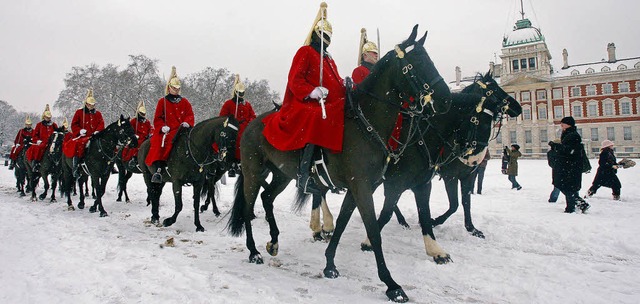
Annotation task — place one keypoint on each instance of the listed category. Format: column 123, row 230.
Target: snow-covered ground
column 533, row 253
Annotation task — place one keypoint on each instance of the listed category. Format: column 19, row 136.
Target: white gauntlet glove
column 83, row 132
column 38, row 142
column 165, row 129
column 185, row 124
column 319, row 93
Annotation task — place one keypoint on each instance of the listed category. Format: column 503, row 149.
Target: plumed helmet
column 320, row 25
column 65, row 123
column 141, row 109
column 90, row 100
column 365, row 45
column 238, row 86
column 27, row 121
column 174, row 81
column 370, row 47
column 47, row 112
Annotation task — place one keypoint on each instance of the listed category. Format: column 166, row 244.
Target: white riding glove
column 165, row 129
column 83, row 132
column 17, row 145
column 38, row 142
column 96, row 132
column 318, row 93
column 185, row 124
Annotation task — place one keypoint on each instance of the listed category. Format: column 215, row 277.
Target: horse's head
column 55, row 144
column 415, row 76
column 227, row 142
column 124, row 132
column 508, row 105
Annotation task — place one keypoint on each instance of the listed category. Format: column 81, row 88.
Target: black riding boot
column 305, row 181
column 157, row 176
column 133, row 163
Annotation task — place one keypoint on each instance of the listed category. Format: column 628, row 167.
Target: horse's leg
column 451, row 185
column 82, row 194
column 245, row 200
column 327, row 219
column 400, row 217
column 94, row 181
column 277, row 185
column 177, row 195
column 314, row 221
column 121, row 182
column 154, row 195
column 391, row 197
column 422, row 193
column 54, row 184
column 197, row 188
column 466, row 185
column 207, row 200
column 46, row 186
column 126, row 180
column 100, row 189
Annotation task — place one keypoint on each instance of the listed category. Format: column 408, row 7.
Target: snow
column 597, row 67
column 533, row 253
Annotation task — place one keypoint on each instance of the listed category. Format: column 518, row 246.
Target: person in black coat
column 607, row 170
column 567, row 170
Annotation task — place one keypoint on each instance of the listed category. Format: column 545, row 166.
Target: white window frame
column 611, row 133
column 541, row 95
column 623, row 87
column 513, row 136
column 544, row 136
column 590, row 105
column 574, row 90
column 523, row 94
column 625, row 133
column 542, row 112
column 625, row 101
column 622, row 67
column 575, row 73
column 607, row 89
column 557, row 93
column 589, row 71
column 605, row 106
column 558, row 112
column 595, row 138
column 577, row 109
column 591, row 90
column 605, row 69
column 526, row 112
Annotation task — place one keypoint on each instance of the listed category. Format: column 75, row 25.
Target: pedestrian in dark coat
column 567, row 170
column 512, row 167
column 607, row 170
column 479, row 172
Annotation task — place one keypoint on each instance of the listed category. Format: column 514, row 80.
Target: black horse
column 192, row 161
column 51, row 165
column 450, row 142
column 23, row 183
column 99, row 160
column 405, row 74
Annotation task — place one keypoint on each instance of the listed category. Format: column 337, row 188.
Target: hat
column 320, row 25
column 47, row 112
column 516, row 146
column 27, row 121
column 174, row 81
column 141, row 108
column 90, row 100
column 238, row 86
column 606, row 143
column 365, row 45
column 65, row 123
column 569, row 120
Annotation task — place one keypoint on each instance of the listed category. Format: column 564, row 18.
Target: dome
column 523, row 33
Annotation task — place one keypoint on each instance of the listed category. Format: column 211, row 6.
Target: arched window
column 592, row 108
column 622, row 67
column 605, row 69
column 589, row 71
column 607, row 107
column 637, row 65
column 625, row 106
column 575, row 72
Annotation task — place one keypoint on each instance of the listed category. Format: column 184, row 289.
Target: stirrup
column 309, row 186
column 156, row 178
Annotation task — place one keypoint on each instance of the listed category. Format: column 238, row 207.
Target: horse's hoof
column 92, row 209
column 118, row 199
column 477, row 233
column 104, row 214
column 42, row 196
column 317, row 237
column 80, row 206
column 70, row 208
column 93, row 196
column 405, row 225
column 216, row 212
column 365, row 247
column 127, row 201
column 256, row 258
column 22, row 194
column 34, row 199
column 397, row 295
column 331, row 273
column 53, row 200
column 155, row 220
column 200, row 229
column 167, row 222
column 272, row 249
column 203, row 208
column 441, row 260
column 326, row 235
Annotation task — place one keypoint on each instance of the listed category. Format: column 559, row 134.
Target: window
column 625, row 107
column 637, row 86
column 611, row 133
column 541, row 95
column 623, row 87
column 543, row 136
column 512, row 137
column 589, row 71
column 575, row 91
column 532, row 63
column 542, row 112
column 528, row 151
column 558, row 112
column 592, row 109
column 527, row 136
column 579, row 130
column 595, row 150
column 523, row 64
column 607, row 88
column 622, row 67
column 591, row 90
column 575, row 73
column 515, row 65
column 525, row 96
column 627, row 133
column 577, row 110
column 628, row 149
column 605, row 69
column 608, row 108
column 499, row 139
column 526, row 114
column 557, row 93
column 594, row 134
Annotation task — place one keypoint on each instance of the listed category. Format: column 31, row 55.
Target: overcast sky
column 42, row 40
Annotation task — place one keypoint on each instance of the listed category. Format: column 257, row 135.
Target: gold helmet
column 27, row 121
column 47, row 112
column 238, row 87
column 90, row 100
column 174, row 81
column 320, row 25
column 65, row 123
column 141, row 109
column 365, row 45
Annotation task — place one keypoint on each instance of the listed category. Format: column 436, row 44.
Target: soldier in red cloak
column 85, row 122
column 142, row 128
column 367, row 57
column 241, row 110
column 25, row 134
column 41, row 134
column 172, row 112
column 300, row 122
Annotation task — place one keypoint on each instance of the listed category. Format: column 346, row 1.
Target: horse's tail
column 236, row 221
column 210, row 187
column 300, row 200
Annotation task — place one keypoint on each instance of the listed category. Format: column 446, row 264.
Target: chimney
column 492, row 67
column 565, row 59
column 611, row 50
column 458, row 76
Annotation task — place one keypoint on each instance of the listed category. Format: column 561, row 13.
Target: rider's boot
column 76, row 164
column 157, row 176
column 304, row 180
column 133, row 163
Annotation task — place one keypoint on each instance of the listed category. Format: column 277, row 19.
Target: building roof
column 523, row 33
column 598, row 67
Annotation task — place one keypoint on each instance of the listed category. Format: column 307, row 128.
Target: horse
column 192, row 161
column 50, row 165
column 22, row 178
column 99, row 160
column 404, row 74
column 459, row 138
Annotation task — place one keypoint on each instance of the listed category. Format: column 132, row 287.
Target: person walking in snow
column 512, row 167
column 607, row 170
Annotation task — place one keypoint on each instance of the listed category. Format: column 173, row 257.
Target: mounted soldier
column 241, row 110
column 367, row 57
column 143, row 129
column 86, row 122
column 41, row 134
column 172, row 112
column 24, row 134
column 312, row 112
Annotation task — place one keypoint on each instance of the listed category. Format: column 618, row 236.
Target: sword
column 324, row 111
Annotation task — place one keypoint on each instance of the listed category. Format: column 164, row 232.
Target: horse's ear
column 488, row 75
column 422, row 40
column 414, row 33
